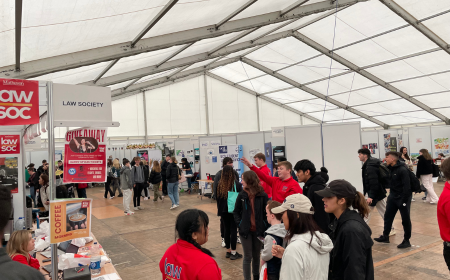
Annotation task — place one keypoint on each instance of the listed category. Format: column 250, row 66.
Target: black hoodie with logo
column 317, row 183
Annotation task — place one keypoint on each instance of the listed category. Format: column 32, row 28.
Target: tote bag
column 231, row 201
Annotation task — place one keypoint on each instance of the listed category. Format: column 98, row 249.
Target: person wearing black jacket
column 172, row 173
column 351, row 257
column 374, row 190
column 306, row 173
column 399, row 199
column 164, row 166
column 144, row 165
column 228, row 184
column 155, row 179
column 251, row 220
column 425, row 174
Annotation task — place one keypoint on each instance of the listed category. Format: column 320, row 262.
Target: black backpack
column 383, row 176
column 414, row 182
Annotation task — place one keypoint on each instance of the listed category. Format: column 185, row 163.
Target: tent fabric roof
column 380, row 62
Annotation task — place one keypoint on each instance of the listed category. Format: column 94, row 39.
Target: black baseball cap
column 339, row 188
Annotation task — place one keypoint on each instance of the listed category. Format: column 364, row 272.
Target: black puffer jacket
column 146, row 173
column 398, row 181
column 317, row 183
column 164, row 166
column 371, row 183
column 351, row 258
column 172, row 173
column 243, row 211
column 424, row 167
column 155, row 177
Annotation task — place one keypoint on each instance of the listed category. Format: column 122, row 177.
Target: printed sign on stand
column 277, row 131
column 70, row 219
column 9, row 173
column 9, row 144
column 85, row 156
column 19, row 102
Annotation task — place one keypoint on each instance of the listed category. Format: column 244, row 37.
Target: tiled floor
column 136, row 243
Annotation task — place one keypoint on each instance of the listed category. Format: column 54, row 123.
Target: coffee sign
column 19, row 102
column 9, row 144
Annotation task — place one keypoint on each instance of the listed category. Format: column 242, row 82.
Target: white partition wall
column 251, row 143
column 340, row 147
column 276, row 141
column 229, row 140
column 419, row 138
column 439, row 140
column 303, row 142
column 207, row 166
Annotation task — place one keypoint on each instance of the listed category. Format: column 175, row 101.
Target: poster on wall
column 143, row 155
column 400, row 140
column 19, row 101
column 268, row 154
column 414, row 156
column 393, row 144
column 252, row 153
column 235, row 153
column 277, row 131
column 278, row 151
column 85, row 156
column 441, row 146
column 9, row 144
column 9, row 173
column 387, row 141
column 70, row 219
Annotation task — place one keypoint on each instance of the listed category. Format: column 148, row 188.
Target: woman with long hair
column 116, row 177
column 187, row 259
column 404, row 157
column 44, row 192
column 20, row 244
column 155, row 179
column 425, row 174
column 250, row 217
column 308, row 247
column 173, row 175
column 351, row 257
column 227, row 184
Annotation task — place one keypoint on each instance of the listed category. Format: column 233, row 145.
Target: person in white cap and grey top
column 351, row 258
column 307, row 255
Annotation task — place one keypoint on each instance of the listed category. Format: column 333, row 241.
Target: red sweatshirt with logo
column 183, row 261
column 280, row 188
column 267, row 188
column 443, row 213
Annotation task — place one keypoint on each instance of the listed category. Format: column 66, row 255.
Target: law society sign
column 9, row 144
column 70, row 219
column 85, row 156
column 19, row 102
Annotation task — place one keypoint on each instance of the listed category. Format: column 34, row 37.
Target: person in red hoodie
column 443, row 212
column 282, row 186
column 186, row 259
column 260, row 162
column 19, row 246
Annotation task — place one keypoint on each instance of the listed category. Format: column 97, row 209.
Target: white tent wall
column 438, row 132
column 129, row 112
column 419, row 138
column 370, row 137
column 272, row 115
column 250, row 142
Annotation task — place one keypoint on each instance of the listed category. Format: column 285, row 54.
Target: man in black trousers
column 399, row 199
column 164, row 166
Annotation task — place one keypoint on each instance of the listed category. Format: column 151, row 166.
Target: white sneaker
column 129, row 213
column 162, row 198
column 173, row 207
column 136, row 209
column 223, row 243
column 392, row 232
column 111, row 197
column 412, row 199
column 433, row 202
column 145, row 198
column 238, row 240
column 140, row 207
column 177, row 205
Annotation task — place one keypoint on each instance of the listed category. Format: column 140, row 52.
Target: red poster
column 19, row 102
column 85, row 156
column 9, row 144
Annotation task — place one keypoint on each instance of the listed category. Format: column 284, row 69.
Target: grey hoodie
column 277, row 230
column 125, row 178
column 304, row 261
column 137, row 174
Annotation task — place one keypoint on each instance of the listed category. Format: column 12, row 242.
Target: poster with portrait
column 9, row 173
column 85, row 156
column 70, row 219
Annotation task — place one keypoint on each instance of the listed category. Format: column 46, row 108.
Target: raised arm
column 262, row 176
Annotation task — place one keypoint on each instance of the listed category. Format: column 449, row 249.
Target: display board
column 229, row 140
column 340, row 147
column 276, row 141
column 209, row 155
column 252, row 143
column 185, row 149
column 303, row 142
column 370, row 139
column 440, row 136
column 419, row 138
column 385, row 137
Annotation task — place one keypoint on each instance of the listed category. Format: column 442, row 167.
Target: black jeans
column 447, row 255
column 393, row 205
column 81, row 193
column 230, row 231
column 164, row 185
column 137, row 194
column 107, row 188
column 273, row 276
column 146, row 190
column 222, row 231
column 252, row 248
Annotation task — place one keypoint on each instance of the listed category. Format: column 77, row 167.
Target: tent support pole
column 145, row 117
column 207, row 105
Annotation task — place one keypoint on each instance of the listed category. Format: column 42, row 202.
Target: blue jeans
column 33, row 194
column 172, row 189
column 189, row 179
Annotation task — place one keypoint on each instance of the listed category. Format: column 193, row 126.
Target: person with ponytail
column 187, row 259
column 351, row 257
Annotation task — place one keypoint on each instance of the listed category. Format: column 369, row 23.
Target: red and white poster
column 85, row 156
column 9, row 144
column 19, row 102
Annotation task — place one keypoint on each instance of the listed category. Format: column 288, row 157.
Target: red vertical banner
column 85, row 156
column 19, row 102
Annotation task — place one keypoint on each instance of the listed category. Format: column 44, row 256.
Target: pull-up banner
column 85, row 156
column 19, row 102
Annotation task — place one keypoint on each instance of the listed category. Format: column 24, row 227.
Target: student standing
column 186, row 167
column 144, row 165
column 260, row 162
column 137, row 180
column 164, row 166
column 31, row 183
column 425, row 174
column 282, row 186
column 126, row 185
column 443, row 212
column 155, row 179
column 173, row 174
column 399, row 199
column 116, row 177
column 306, row 173
column 250, row 217
column 187, row 259
column 44, row 192
column 307, row 255
column 351, row 257
column 109, row 178
column 228, row 184
column 281, row 159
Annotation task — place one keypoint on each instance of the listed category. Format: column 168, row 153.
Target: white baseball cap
column 295, row 202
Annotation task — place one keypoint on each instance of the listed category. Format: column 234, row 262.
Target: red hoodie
column 280, row 189
column 186, row 262
column 267, row 188
column 22, row 259
column 443, row 213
